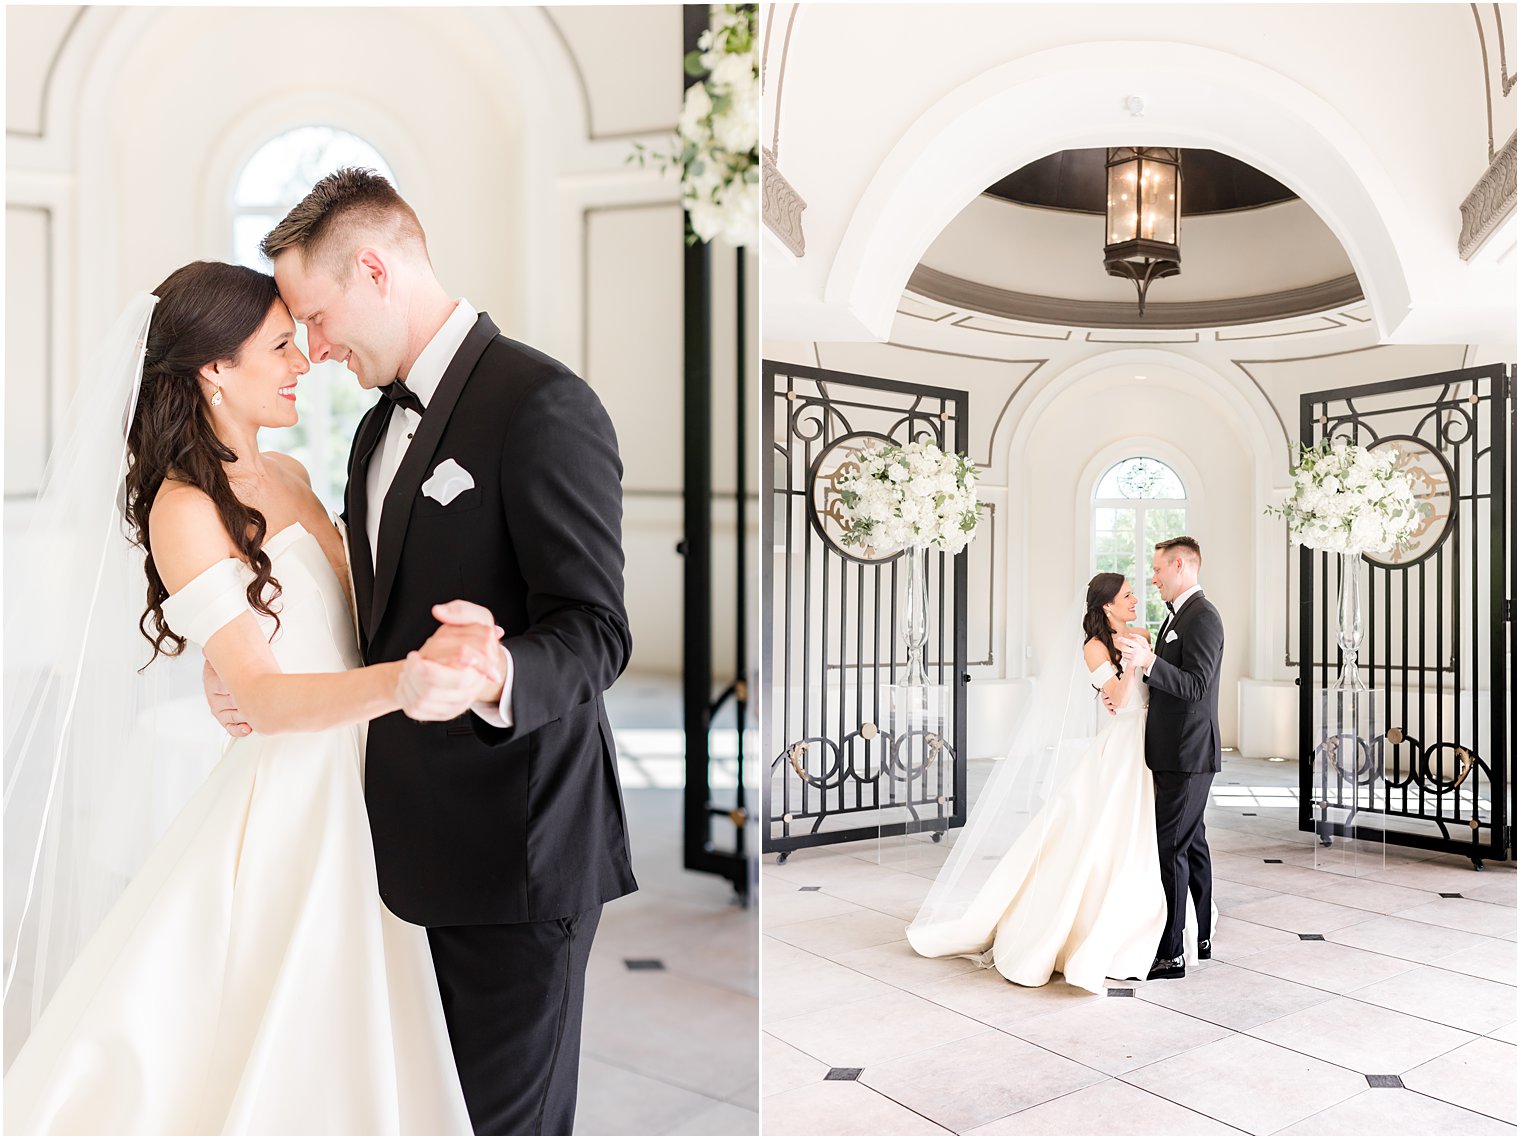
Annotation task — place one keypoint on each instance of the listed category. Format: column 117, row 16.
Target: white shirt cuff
column 499, row 715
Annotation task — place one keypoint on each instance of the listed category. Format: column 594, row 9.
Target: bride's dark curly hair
column 1102, row 589
column 206, row 312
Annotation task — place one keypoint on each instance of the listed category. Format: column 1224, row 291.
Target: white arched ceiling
column 1374, row 114
column 1196, row 97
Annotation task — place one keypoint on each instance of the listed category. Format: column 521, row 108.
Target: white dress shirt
column 1181, row 600
column 423, row 379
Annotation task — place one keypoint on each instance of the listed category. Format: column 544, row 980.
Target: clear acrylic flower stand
column 915, row 779
column 1347, row 778
column 1348, row 782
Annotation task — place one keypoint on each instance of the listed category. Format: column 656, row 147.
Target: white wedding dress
column 1079, row 891
column 249, row 980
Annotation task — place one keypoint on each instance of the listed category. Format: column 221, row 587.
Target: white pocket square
column 1172, row 636
column 449, row 480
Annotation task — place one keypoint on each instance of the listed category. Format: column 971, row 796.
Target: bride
column 1057, row 869
column 247, row 979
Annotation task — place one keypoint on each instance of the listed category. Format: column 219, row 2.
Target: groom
column 1181, row 741
column 487, row 471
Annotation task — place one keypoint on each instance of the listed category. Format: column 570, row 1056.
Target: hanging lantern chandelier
column 1144, row 205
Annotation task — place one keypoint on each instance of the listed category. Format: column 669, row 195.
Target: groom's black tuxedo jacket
column 1182, row 726
column 475, row 825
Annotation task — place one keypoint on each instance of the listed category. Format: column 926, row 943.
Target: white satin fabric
column 250, row 981
column 1079, row 892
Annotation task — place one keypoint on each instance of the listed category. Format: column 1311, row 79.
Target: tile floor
column 1275, row 1035
column 668, row 1050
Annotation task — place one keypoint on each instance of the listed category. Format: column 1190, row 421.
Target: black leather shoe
column 1167, row 969
column 1205, row 949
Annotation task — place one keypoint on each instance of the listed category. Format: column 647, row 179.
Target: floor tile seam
column 1462, row 1106
column 1438, row 968
column 1052, row 1052
column 1309, row 1055
column 1333, row 932
column 824, row 890
column 1348, row 995
column 1395, row 956
column 1102, row 1077
column 905, row 1107
column 802, row 921
column 795, row 1048
column 731, row 1099
column 684, row 974
column 853, row 969
column 1313, row 896
column 685, row 978
column 827, row 892
column 1157, row 1095
column 623, row 1067
column 848, row 1004
column 1371, row 914
column 1274, row 1044
column 1232, row 1028
column 1115, row 1075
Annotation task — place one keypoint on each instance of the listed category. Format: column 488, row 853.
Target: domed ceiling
column 1030, row 248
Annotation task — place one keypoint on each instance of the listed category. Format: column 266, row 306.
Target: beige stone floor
column 1275, row 1035
column 668, row 1051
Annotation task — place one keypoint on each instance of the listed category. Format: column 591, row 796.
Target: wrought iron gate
column 831, row 636
column 1440, row 639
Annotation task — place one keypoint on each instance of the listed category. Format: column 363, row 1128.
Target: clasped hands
column 461, row 664
column 1136, row 652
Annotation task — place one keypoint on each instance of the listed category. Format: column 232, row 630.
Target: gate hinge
column 1509, row 609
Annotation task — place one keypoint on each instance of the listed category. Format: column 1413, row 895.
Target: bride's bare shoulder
column 290, row 465
column 1095, row 653
column 185, row 533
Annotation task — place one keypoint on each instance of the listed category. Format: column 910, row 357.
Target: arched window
column 1137, row 503
column 329, row 399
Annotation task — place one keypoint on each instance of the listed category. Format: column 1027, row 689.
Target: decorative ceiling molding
column 1329, row 325
column 1490, row 202
column 47, row 79
column 580, row 79
column 1021, row 333
column 992, row 301
column 1506, row 76
column 765, row 59
column 780, row 205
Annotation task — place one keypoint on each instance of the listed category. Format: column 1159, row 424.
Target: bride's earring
column 216, row 397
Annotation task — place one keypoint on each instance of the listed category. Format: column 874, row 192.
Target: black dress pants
column 512, row 996
column 1181, row 797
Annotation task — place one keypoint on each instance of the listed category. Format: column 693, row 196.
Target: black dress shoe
column 1167, row 969
column 1205, row 949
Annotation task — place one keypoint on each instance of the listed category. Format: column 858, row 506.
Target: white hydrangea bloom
column 1345, row 499
column 911, row 495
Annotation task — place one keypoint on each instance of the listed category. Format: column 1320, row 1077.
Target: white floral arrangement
column 1347, row 500
column 718, row 133
column 912, row 494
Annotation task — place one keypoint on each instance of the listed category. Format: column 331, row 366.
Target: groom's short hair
column 327, row 225
column 1185, row 547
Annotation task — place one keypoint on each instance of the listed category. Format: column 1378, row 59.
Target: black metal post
column 697, row 626
column 741, row 542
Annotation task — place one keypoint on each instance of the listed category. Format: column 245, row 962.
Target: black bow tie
column 1171, row 609
column 402, row 396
